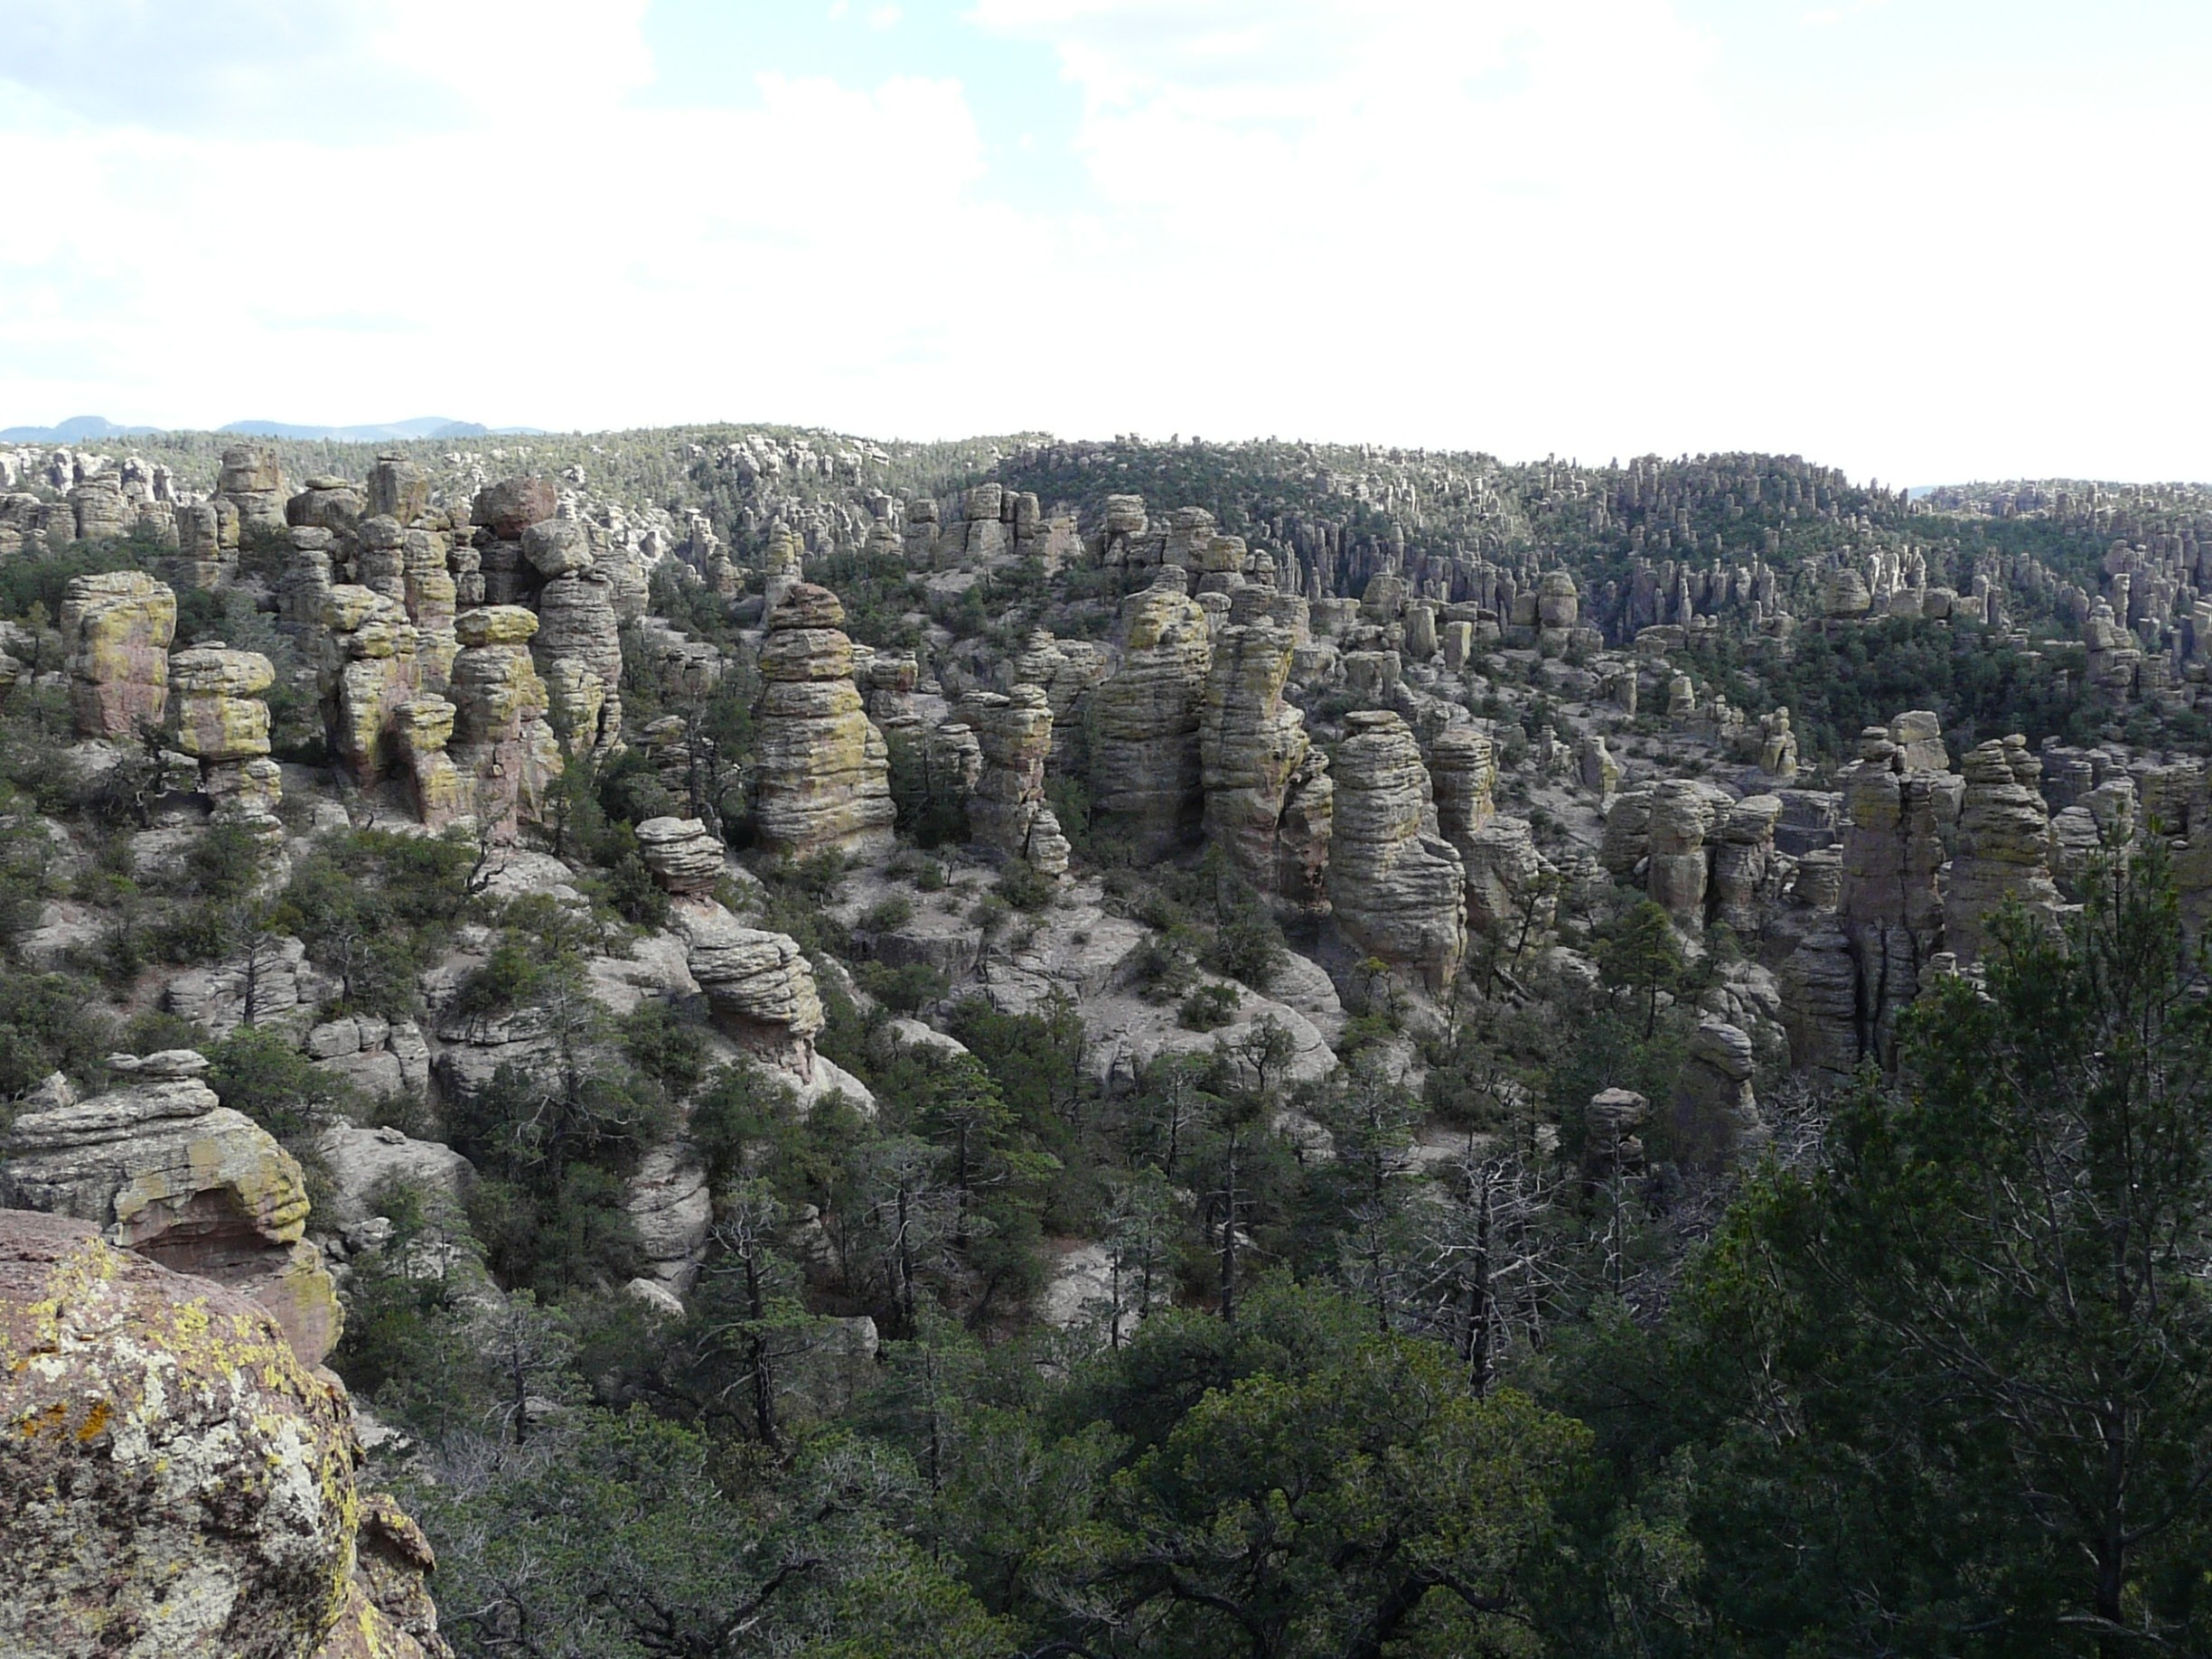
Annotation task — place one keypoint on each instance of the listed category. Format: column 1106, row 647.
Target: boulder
column 684, row 855
column 759, row 985
column 176, row 1482
column 360, row 1160
column 511, row 506
column 165, row 1169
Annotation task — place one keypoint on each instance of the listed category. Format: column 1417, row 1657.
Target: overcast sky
column 1921, row 240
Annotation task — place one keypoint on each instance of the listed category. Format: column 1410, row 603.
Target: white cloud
column 1526, row 225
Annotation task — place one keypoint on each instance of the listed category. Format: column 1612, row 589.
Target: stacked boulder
column 1068, row 669
column 222, row 722
column 504, row 754
column 1745, row 869
column 252, row 481
column 1006, row 809
column 2004, row 844
column 162, row 1167
column 822, row 778
column 579, row 644
column 1147, row 781
column 1266, row 806
column 369, row 670
column 117, row 627
column 1395, row 887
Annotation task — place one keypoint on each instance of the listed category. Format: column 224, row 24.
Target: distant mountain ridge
column 82, row 428
column 76, row 429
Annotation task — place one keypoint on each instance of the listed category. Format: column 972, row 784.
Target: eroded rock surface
column 175, row 1481
column 162, row 1167
column 1395, row 887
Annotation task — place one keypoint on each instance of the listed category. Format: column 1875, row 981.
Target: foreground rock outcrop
column 175, row 1482
column 162, row 1167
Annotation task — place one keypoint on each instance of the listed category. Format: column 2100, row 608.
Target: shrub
column 1025, row 887
column 1209, row 1007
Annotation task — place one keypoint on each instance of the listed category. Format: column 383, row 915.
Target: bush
column 1025, row 887
column 887, row 915
column 1209, row 1007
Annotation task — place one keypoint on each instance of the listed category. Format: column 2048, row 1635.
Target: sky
column 1925, row 240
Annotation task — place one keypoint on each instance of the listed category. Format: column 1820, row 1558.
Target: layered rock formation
column 162, row 1167
column 1147, row 783
column 1745, row 869
column 578, row 645
column 1006, row 809
column 1396, row 888
column 822, row 778
column 1715, row 1113
column 1068, row 669
column 252, row 481
column 222, row 723
column 2004, row 844
column 117, row 628
column 684, row 855
column 176, row 1482
column 1900, row 798
column 1266, row 806
column 759, row 985
column 505, row 751
column 369, row 670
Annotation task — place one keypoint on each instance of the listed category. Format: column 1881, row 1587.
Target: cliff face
column 174, row 1482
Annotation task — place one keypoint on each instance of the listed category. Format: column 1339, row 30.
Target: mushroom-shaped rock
column 759, row 985
column 684, row 855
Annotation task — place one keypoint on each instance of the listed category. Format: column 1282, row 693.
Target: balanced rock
column 684, row 855
column 822, row 774
column 505, row 752
column 1396, row 889
column 511, row 506
column 758, row 984
column 252, row 481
